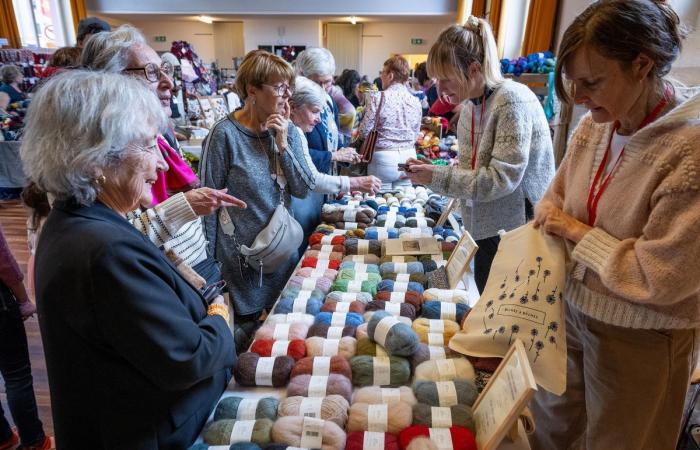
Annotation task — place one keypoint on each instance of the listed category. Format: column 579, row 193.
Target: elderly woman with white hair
column 136, row 359
column 306, row 103
column 174, row 220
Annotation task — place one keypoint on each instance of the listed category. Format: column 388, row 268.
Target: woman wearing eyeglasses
column 256, row 153
column 171, row 221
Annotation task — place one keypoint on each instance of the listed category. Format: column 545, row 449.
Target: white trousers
column 385, row 166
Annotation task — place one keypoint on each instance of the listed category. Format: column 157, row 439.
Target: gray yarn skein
column 363, row 371
column 461, row 416
column 219, row 432
column 426, row 392
column 401, row 340
column 228, row 408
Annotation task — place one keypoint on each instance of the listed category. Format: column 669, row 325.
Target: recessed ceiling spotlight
column 205, row 19
column 353, row 20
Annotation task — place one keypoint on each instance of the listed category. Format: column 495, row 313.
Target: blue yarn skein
column 401, row 340
column 351, row 319
column 433, row 308
column 409, row 267
column 388, row 286
column 381, row 233
column 352, row 265
column 286, row 305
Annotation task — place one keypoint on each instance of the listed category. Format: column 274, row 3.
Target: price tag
column 446, row 369
column 263, row 371
column 441, row 417
column 377, row 418
column 312, row 433
column 321, row 366
column 381, row 371
column 311, row 407
column 373, row 440
column 447, row 393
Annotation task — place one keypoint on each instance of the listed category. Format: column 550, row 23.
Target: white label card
column 377, row 417
column 247, row 409
column 442, row 438
column 327, row 248
column 355, row 286
column 392, row 308
column 299, row 305
column 311, row 407
column 372, row 440
column 324, row 256
column 312, row 433
column 317, row 386
column 281, row 332
column 436, row 326
column 319, row 272
column 447, row 393
column 397, row 297
column 309, row 284
column 303, row 295
column 446, row 368
column 363, row 276
column 360, row 267
column 350, row 225
column 448, row 311
column 400, row 286
column 380, row 352
column 348, row 296
column 437, row 352
column 342, row 307
column 321, row 366
column 338, row 319
column 279, row 348
column 349, row 215
column 441, row 417
column 401, row 267
column 263, row 371
column 381, row 371
column 296, row 317
column 391, row 395
column 328, row 240
column 382, row 329
column 330, row 347
column 362, row 246
column 335, row 332
column 436, row 339
column 322, row 264
column 242, row 431
column 403, row 277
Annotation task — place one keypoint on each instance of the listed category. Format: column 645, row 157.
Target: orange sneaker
column 45, row 444
column 11, row 442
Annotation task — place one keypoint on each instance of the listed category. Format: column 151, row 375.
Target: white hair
column 315, row 61
column 110, row 51
column 81, row 122
column 308, row 93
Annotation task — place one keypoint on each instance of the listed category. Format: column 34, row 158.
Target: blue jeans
column 17, row 373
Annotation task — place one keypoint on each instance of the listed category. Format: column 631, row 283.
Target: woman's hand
column 370, row 184
column 347, row 155
column 279, row 123
column 205, row 201
column 556, row 222
column 419, row 172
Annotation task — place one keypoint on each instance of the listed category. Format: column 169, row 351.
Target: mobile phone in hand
column 404, row 167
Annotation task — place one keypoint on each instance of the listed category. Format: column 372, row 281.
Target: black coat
column 133, row 360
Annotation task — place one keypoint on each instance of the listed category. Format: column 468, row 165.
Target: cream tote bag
column 523, row 300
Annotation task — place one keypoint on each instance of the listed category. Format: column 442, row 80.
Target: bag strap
column 379, row 110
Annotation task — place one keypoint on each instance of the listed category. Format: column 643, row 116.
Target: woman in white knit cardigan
column 506, row 160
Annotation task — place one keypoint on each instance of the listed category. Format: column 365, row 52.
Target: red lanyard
column 593, row 196
column 475, row 144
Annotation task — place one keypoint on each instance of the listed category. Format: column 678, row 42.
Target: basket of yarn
column 461, row 438
column 378, row 395
column 225, row 432
column 398, row 339
column 252, row 370
column 332, row 407
column 444, row 310
column 446, row 393
column 384, row 371
column 238, row 408
column 322, row 365
column 289, row 430
column 295, row 349
column 345, row 347
column 459, row 415
column 380, row 417
column 320, row 386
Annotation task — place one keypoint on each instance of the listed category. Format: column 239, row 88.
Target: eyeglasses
column 152, row 71
column 152, row 149
column 281, row 89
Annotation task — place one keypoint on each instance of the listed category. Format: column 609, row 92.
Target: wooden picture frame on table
column 460, row 258
column 451, row 205
column 503, row 399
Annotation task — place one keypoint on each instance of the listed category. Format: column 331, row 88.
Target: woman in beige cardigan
column 627, row 200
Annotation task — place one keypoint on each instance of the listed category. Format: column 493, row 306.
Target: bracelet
column 218, row 310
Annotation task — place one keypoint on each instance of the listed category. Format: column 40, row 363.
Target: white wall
column 381, row 39
column 285, row 31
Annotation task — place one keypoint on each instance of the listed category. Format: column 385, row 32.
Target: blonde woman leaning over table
column 506, row 160
column 627, row 201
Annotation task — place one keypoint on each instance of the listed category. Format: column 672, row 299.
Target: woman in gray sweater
column 240, row 154
column 506, row 160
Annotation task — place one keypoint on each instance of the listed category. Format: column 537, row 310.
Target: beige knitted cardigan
column 640, row 265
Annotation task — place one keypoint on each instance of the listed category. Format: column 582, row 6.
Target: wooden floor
column 13, row 221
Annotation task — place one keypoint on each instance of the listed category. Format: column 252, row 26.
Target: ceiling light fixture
column 205, row 19
column 353, row 20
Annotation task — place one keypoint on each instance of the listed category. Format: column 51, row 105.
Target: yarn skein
column 337, row 365
column 354, row 246
column 435, row 331
column 369, row 287
column 322, row 284
column 333, row 408
column 426, row 352
column 381, row 233
column 375, row 395
column 293, row 293
column 321, row 256
column 336, row 385
column 236, row 446
column 265, row 347
column 418, row 277
column 308, row 306
column 306, row 319
column 460, row 415
column 338, row 296
column 369, row 314
column 446, row 295
column 409, row 267
column 395, row 286
column 442, row 393
column 365, row 346
column 354, row 307
column 324, row 330
column 365, row 259
column 397, row 259
column 351, row 274
column 319, row 264
column 361, row 331
column 228, row 408
column 396, row 309
column 364, row 370
column 412, row 298
column 311, row 272
column 445, row 370
column 219, row 432
column 328, row 248
column 399, row 340
column 344, row 347
column 291, row 332
column 351, row 319
column 359, row 267
column 397, row 417
column 356, row 441
column 462, row 438
column 444, row 310
column 246, row 369
column 318, row 238
column 288, row 430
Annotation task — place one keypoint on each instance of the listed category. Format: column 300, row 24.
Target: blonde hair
column 259, row 67
column 459, row 46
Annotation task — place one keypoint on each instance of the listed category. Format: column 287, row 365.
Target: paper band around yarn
column 263, row 371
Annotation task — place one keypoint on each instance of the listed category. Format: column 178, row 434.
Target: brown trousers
column 625, row 389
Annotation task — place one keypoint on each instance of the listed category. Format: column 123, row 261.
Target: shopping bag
column 523, row 299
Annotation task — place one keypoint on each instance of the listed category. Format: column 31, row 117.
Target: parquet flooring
column 13, row 221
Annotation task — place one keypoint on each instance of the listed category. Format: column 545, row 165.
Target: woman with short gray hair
column 11, row 78
column 135, row 358
column 306, row 103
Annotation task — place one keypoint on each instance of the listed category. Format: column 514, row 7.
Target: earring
column 101, row 180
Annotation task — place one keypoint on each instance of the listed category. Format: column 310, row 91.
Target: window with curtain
column 44, row 23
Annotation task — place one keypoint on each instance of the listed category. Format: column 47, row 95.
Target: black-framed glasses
column 152, row 71
column 281, row 89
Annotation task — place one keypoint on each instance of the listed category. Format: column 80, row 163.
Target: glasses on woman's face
column 281, row 90
column 152, row 71
column 150, row 149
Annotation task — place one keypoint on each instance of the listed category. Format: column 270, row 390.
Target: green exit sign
column 417, row 41
column 160, row 39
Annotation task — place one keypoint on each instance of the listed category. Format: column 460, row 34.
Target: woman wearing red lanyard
column 506, row 159
column 627, row 200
